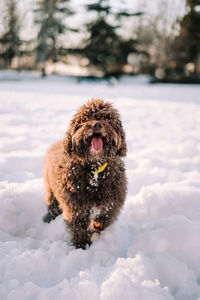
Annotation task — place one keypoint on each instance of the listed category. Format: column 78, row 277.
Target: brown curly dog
column 84, row 175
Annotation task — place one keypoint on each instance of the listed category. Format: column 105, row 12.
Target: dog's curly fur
column 88, row 202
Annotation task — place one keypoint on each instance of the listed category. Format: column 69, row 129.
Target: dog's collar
column 100, row 169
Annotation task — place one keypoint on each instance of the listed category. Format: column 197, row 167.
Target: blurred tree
column 187, row 44
column 105, row 49
column 192, row 4
column 50, row 16
column 156, row 32
column 10, row 41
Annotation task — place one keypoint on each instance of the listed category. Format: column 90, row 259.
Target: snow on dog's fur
column 84, row 175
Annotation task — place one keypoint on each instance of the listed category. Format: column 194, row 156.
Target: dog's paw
column 47, row 218
column 95, row 226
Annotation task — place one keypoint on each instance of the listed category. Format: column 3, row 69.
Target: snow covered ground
column 153, row 251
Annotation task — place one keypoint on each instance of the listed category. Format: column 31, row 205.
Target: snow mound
column 152, row 252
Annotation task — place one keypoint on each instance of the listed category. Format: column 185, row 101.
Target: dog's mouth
column 97, row 142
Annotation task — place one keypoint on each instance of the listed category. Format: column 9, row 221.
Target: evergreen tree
column 10, row 41
column 187, row 44
column 105, row 49
column 50, row 17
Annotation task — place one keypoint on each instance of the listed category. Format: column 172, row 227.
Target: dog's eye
column 108, row 118
column 77, row 127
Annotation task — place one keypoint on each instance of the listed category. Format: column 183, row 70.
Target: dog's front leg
column 81, row 237
column 53, row 210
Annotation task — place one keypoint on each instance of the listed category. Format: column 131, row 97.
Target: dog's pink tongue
column 97, row 143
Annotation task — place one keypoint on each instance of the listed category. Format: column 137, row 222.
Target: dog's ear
column 68, row 143
column 120, row 138
column 122, row 144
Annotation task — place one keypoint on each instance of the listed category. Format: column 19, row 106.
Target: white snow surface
column 152, row 252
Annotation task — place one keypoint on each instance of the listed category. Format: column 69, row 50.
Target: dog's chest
column 96, row 185
column 90, row 185
column 96, row 179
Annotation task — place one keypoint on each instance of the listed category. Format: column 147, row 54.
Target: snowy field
column 152, row 252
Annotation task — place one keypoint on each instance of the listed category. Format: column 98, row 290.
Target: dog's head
column 95, row 132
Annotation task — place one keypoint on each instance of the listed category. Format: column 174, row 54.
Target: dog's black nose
column 97, row 126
